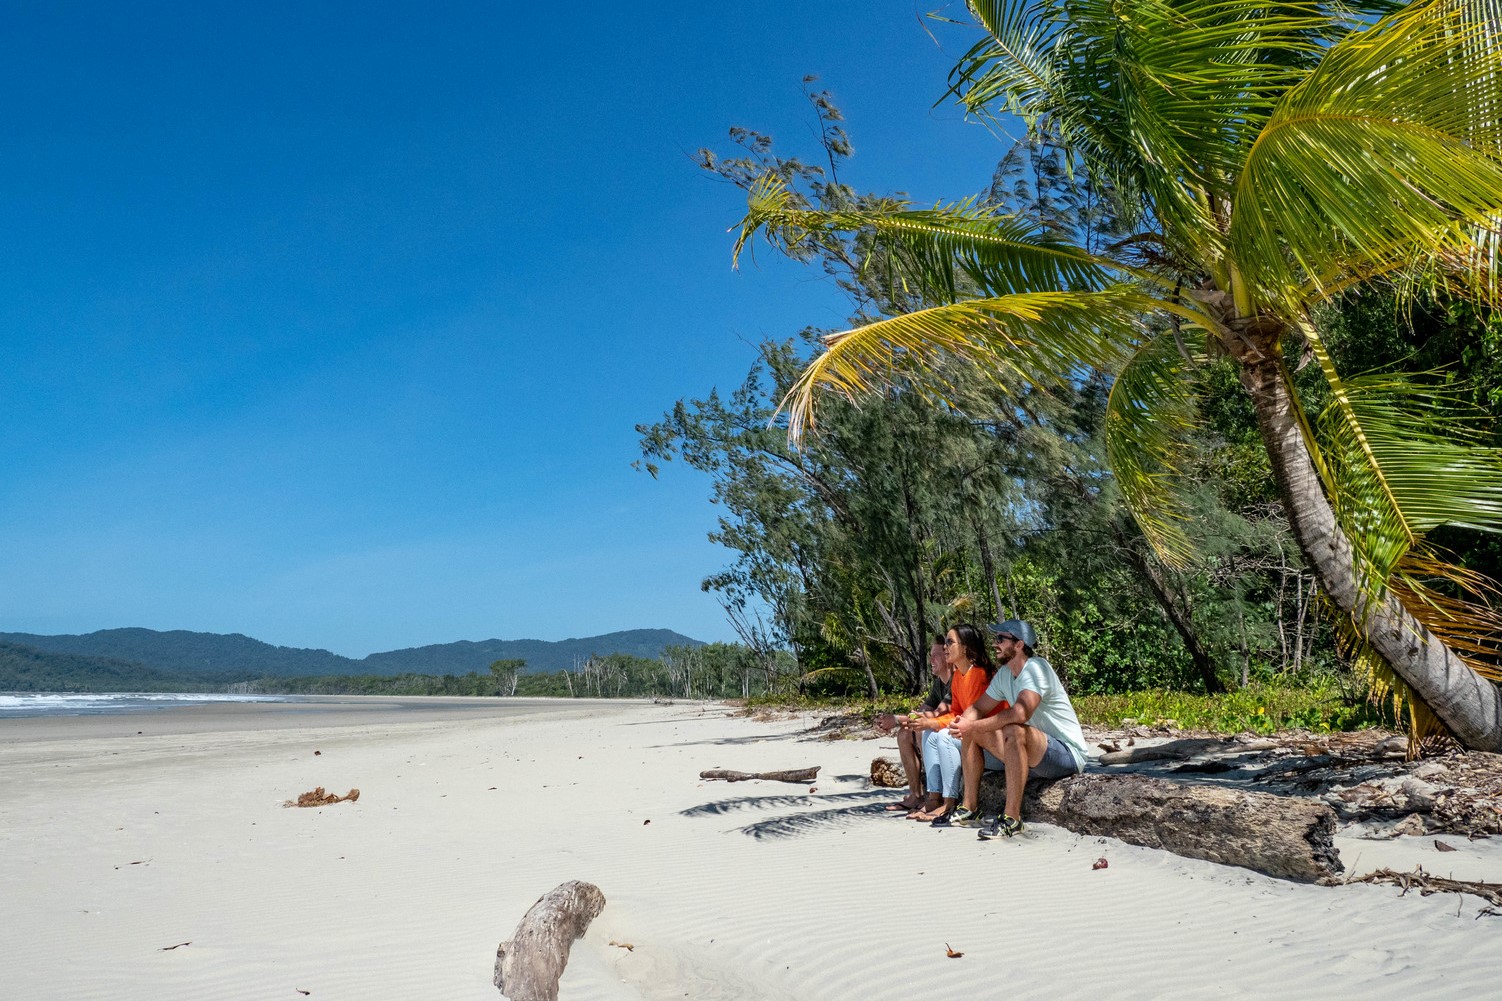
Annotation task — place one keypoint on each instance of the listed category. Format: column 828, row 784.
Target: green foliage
column 1320, row 707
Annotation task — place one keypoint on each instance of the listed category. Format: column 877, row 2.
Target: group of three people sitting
column 1010, row 714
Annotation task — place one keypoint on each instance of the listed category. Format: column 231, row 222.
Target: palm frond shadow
column 797, row 824
column 723, row 806
column 710, row 742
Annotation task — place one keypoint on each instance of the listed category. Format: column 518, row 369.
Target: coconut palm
column 1268, row 157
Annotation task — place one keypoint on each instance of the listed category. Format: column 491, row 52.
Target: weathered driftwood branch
column 1427, row 884
column 1276, row 835
column 799, row 775
column 1174, row 750
column 318, row 797
column 527, row 967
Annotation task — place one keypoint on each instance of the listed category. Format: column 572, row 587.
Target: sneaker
column 964, row 818
column 1002, row 827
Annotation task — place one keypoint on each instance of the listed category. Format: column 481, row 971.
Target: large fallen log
column 799, row 775
column 1279, row 836
column 1276, row 835
column 528, row 966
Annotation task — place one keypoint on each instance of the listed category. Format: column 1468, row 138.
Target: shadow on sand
column 791, row 821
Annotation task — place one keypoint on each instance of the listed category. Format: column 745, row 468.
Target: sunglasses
column 1005, row 636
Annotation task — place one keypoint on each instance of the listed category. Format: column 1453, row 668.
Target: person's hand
column 885, row 722
column 960, row 727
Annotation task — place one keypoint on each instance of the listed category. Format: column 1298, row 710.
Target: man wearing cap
column 1037, row 736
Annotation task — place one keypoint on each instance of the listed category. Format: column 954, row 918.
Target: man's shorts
column 1057, row 762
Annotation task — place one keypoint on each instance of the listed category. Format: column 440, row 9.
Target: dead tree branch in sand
column 1427, row 884
column 799, row 775
column 529, row 964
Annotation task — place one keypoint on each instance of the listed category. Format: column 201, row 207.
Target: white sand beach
column 122, row 837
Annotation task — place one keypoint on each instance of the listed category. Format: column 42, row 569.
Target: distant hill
column 183, row 652
column 216, row 656
column 540, row 655
column 23, row 669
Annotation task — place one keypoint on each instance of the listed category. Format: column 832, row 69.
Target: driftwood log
column 528, row 966
column 1283, row 836
column 1276, row 835
column 798, row 775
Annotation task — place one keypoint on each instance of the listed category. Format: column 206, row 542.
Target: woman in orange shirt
column 969, row 655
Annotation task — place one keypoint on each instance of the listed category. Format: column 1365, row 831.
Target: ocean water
column 18, row 704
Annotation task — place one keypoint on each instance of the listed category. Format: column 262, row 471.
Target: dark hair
column 975, row 646
column 938, row 639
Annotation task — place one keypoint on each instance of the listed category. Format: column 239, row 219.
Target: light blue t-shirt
column 1055, row 715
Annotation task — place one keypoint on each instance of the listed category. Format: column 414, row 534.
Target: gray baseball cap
column 1017, row 628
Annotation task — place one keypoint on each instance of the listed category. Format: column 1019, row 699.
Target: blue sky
column 330, row 323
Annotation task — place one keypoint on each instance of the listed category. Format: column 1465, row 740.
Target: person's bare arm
column 975, row 720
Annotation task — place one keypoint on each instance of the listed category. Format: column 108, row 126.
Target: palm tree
column 1268, row 157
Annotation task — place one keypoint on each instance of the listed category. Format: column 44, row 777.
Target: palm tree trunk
column 1468, row 704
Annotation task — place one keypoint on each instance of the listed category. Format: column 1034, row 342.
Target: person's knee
column 1012, row 737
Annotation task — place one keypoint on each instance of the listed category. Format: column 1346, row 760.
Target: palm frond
column 1401, row 459
column 1039, row 339
column 1455, row 603
column 1165, row 102
column 1390, row 153
column 1404, row 463
column 1149, row 415
column 946, row 251
column 1384, row 685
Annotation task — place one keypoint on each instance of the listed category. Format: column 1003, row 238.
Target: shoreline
column 287, row 712
column 115, row 847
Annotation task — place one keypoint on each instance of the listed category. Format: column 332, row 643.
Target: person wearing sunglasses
column 909, row 745
column 965, row 647
column 1038, row 735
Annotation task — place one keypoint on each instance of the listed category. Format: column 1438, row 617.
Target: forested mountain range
column 23, row 669
column 146, row 658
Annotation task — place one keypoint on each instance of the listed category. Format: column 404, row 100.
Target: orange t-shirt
column 964, row 690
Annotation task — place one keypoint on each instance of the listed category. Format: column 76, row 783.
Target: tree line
column 709, row 671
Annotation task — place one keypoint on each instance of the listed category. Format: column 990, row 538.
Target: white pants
column 941, row 763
